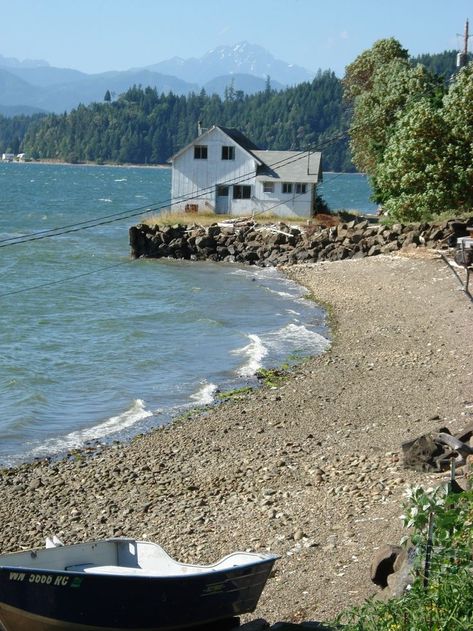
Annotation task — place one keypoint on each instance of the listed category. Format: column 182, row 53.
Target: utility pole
column 462, row 57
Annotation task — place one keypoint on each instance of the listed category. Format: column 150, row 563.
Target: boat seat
column 118, row 570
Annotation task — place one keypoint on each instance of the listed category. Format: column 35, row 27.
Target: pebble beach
column 309, row 469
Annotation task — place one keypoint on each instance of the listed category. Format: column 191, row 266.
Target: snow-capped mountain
column 245, row 67
column 242, row 58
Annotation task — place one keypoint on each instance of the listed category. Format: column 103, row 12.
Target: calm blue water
column 122, row 345
column 347, row 191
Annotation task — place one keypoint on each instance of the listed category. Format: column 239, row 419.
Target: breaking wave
column 113, row 425
column 254, row 352
column 205, row 395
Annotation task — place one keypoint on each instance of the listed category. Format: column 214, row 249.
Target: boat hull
column 37, row 600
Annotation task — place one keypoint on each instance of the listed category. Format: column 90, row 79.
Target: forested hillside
column 144, row 127
column 13, row 131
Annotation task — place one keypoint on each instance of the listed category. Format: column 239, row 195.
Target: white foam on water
column 105, row 199
column 296, row 337
column 254, row 352
column 205, row 395
column 122, row 179
column 283, row 294
column 113, row 425
column 255, row 272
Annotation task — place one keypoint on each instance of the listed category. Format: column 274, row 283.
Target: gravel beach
column 309, row 470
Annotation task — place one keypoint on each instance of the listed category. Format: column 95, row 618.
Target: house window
column 268, row 187
column 222, row 191
column 287, row 187
column 301, row 189
column 200, row 152
column 228, row 153
column 242, row 192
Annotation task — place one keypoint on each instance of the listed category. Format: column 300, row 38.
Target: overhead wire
column 64, row 279
column 113, row 218
column 154, row 207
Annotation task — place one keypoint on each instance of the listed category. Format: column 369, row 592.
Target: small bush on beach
column 443, row 600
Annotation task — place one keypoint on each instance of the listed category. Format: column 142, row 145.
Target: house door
column 221, row 199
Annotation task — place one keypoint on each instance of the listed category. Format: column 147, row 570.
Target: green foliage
column 458, row 114
column 411, row 133
column 13, row 130
column 144, row 127
column 272, row 377
column 446, row 602
column 393, row 87
column 442, row 64
column 359, row 74
column 416, row 176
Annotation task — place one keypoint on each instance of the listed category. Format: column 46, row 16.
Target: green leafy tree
column 417, row 175
column 458, row 115
column 359, row 74
column 380, row 84
column 409, row 134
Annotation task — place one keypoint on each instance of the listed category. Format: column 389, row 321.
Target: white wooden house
column 223, row 171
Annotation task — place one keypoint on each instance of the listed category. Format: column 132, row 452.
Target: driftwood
column 455, row 444
column 434, row 451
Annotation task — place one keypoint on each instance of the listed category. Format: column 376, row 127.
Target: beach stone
column 382, row 564
column 399, row 581
column 35, row 484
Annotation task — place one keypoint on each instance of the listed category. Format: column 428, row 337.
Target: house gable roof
column 240, row 138
column 289, row 166
column 234, row 134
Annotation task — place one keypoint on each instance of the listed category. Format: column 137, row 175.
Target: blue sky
column 99, row 35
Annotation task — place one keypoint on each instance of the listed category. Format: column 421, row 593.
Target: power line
column 113, row 218
column 52, row 232
column 102, row 269
column 64, row 279
column 122, row 215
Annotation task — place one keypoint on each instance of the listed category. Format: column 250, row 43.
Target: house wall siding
column 193, row 177
column 283, row 204
column 196, row 180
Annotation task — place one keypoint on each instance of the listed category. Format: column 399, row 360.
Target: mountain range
column 34, row 86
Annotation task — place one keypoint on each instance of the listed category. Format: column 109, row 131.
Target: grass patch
column 170, row 218
column 207, row 218
column 447, row 215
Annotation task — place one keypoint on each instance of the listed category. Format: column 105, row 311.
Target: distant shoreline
column 130, row 165
column 94, row 164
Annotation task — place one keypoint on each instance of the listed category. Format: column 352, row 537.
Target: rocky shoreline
column 309, row 470
column 271, row 245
